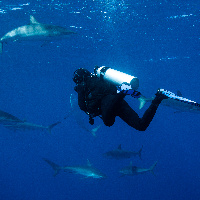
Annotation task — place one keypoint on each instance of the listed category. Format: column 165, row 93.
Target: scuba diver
column 98, row 97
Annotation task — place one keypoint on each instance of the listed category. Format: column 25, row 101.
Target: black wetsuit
column 100, row 98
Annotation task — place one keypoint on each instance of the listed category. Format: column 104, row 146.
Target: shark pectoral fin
column 1, row 47
column 33, row 20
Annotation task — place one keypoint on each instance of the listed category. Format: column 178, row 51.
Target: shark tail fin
column 139, row 152
column 55, row 167
column 52, row 125
column 152, row 168
column 1, row 47
column 143, row 101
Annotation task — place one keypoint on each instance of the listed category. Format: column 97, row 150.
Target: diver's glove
column 126, row 89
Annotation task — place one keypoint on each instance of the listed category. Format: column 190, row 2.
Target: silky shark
column 11, row 122
column 119, row 153
column 23, row 126
column 35, row 31
column 88, row 171
column 175, row 101
column 133, row 170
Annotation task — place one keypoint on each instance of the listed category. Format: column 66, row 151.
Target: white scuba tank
column 116, row 77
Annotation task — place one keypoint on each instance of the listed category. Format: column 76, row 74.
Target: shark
column 133, row 170
column 14, row 123
column 88, row 171
column 35, row 31
column 175, row 101
column 119, row 153
column 23, row 126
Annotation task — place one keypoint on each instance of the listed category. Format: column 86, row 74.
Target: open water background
column 157, row 41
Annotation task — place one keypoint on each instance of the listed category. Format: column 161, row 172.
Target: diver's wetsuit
column 100, row 98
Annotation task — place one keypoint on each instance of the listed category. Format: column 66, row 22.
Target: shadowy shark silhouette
column 11, row 122
column 133, row 170
column 119, row 153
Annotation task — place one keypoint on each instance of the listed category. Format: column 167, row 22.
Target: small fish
column 35, row 31
column 119, row 153
column 87, row 171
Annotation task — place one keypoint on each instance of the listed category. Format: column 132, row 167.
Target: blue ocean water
column 157, row 41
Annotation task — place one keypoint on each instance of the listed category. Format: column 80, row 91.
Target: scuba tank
column 116, row 77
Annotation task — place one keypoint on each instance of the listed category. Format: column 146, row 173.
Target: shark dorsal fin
column 179, row 93
column 88, row 163
column 120, row 147
column 33, row 20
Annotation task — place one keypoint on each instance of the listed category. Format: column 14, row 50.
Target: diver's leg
column 109, row 106
column 127, row 114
